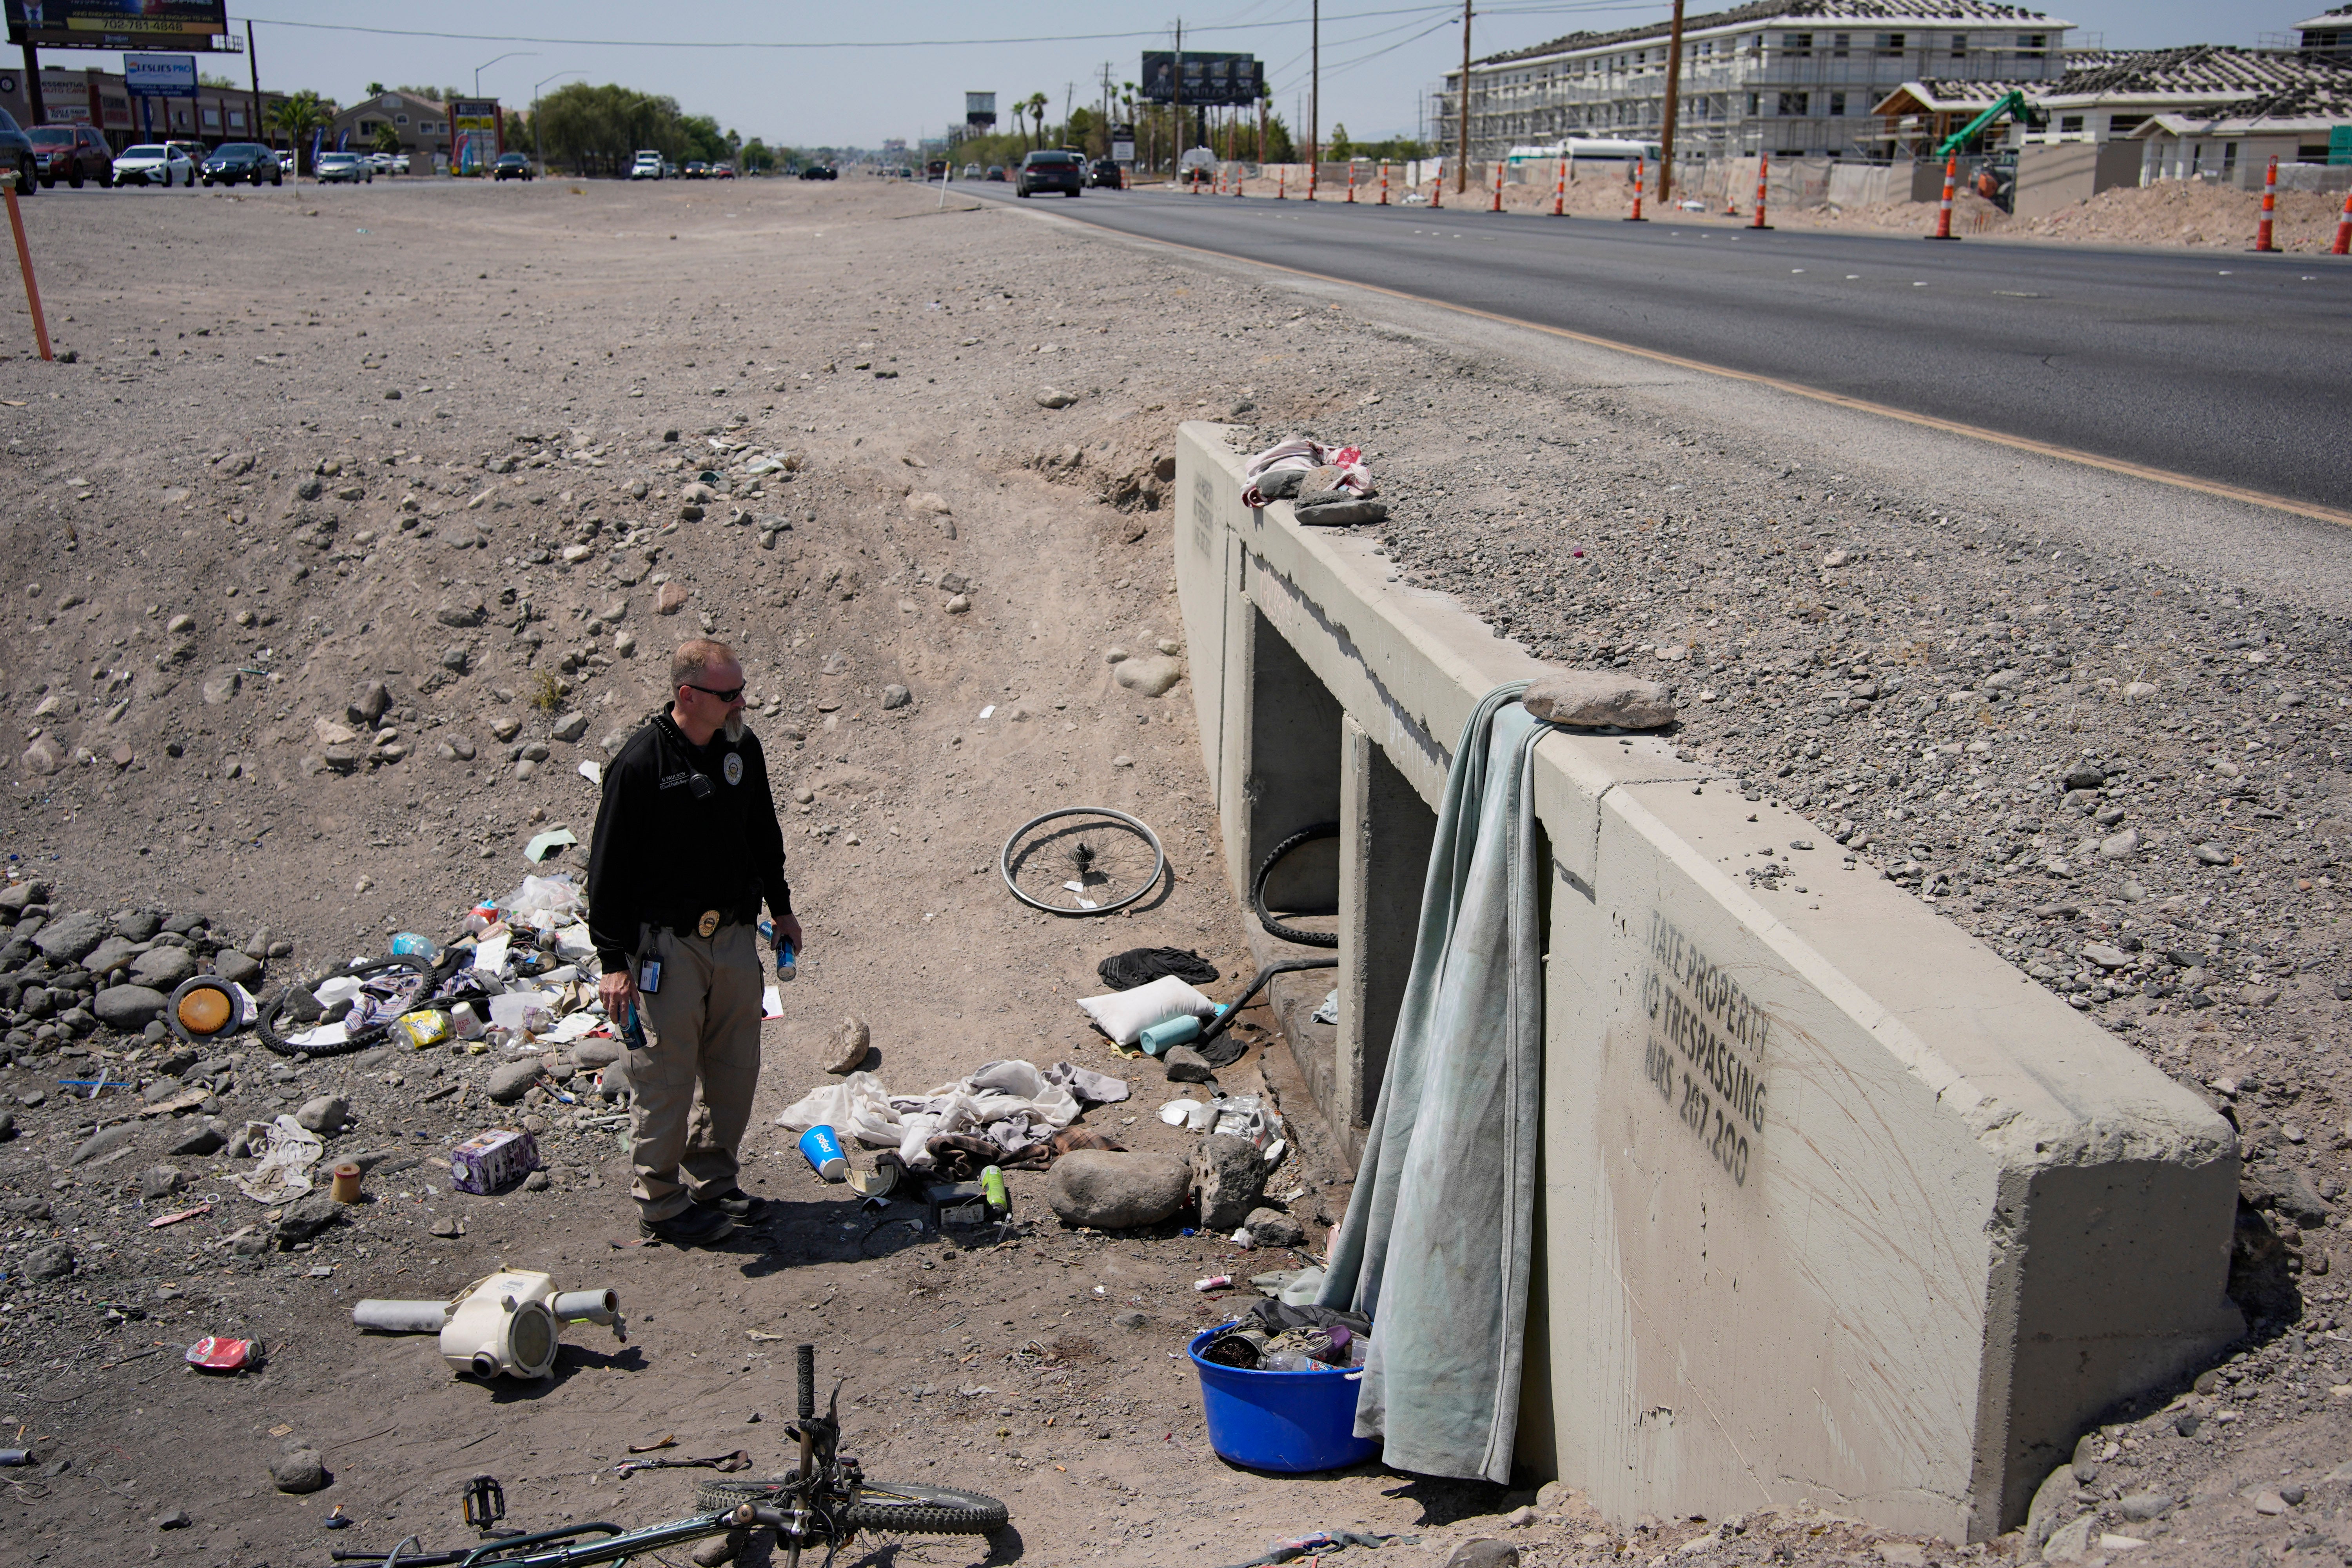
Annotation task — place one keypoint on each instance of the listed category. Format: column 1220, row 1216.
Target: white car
column 153, row 164
column 649, row 166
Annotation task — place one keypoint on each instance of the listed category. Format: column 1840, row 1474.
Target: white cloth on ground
column 1012, row 1104
column 1298, row 452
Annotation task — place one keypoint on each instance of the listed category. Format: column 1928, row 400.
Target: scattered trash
column 594, row 772
column 1214, row 1282
column 338, row 1518
column 821, row 1147
column 1190, row 1114
column 408, row 944
column 346, row 1188
column 489, row 1162
column 1141, row 965
column 503, row 1323
column 1160, row 1039
column 724, row 1462
column 1124, row 1015
column 1328, row 1540
column 1013, row 1104
column 204, row 1007
column 668, row 1440
column 957, row 1205
column 160, row 1221
column 213, row 1353
column 283, row 1172
column 1329, row 1012
column 545, row 843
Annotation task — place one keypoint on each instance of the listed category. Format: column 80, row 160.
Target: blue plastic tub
column 1294, row 1422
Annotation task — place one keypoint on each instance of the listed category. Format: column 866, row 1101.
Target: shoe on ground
column 695, row 1225
column 737, row 1204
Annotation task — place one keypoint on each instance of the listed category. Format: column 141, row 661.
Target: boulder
column 209, row 1137
column 71, row 938
column 1600, row 698
column 236, row 967
column 103, row 1141
column 1186, row 1065
column 298, row 1470
column 163, row 968
column 851, row 1043
column 307, row 1217
column 54, row 1261
column 115, row 952
column 324, row 1113
column 509, row 1082
column 1111, row 1191
column 159, row 1182
column 596, row 1052
column 1338, row 508
column 127, row 1007
column 139, row 925
column 1229, row 1175
column 371, row 701
column 1484, row 1552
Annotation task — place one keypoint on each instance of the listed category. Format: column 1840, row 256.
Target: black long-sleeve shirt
column 682, row 829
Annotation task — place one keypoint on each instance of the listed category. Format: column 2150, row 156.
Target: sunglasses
column 728, row 695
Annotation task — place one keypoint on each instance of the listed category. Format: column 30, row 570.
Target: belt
column 704, row 922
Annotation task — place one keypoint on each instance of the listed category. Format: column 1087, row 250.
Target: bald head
column 687, row 665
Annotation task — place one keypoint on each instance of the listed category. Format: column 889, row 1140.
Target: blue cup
column 822, row 1150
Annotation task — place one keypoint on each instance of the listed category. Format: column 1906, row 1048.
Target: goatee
column 735, row 729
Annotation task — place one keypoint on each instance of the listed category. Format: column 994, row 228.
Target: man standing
column 687, row 848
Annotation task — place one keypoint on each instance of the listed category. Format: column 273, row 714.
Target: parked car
column 247, row 161
column 649, row 166
column 696, row 169
column 722, row 171
column 820, row 172
column 513, row 166
column 996, row 172
column 1106, row 174
column 72, row 154
column 344, row 167
column 1051, row 169
column 971, row 172
column 153, row 164
column 16, row 152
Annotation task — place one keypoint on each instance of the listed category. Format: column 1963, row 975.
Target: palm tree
column 295, row 117
column 1035, row 105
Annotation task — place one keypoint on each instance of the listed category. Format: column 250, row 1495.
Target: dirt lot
column 228, row 442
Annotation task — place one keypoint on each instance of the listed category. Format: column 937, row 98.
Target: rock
column 53, row 1261
column 235, row 966
column 1282, row 484
column 467, row 612
column 2070, row 1543
column 103, row 1141
column 324, row 1113
column 2258, row 995
column 455, row 659
column 2049, row 1500
column 2083, row 775
column 590, row 1055
column 572, row 728
column 1596, row 698
column 129, row 1009
column 159, row 1182
column 1272, row 1227
column 2212, row 855
column 1519, row 1518
column 2141, row 1506
column 71, row 938
column 1229, row 1176
column 928, row 504
column 1055, row 397
column 895, row 697
column 298, row 1470
column 174, row 1519
column 2086, row 1464
column 537, row 1182
column 209, row 1138
column 957, row 604
column 1186, row 1065
column 115, row 952
column 509, row 1082
column 372, row 700
column 1111, row 1191
column 447, row 1227
column 7, row 1125
column 2275, row 1186
column 2105, row 957
column 1483, row 1551
column 671, row 600
column 2121, row 845
column 851, row 1043
column 458, row 749
column 1151, row 677
column 162, row 967
column 220, row 685
column 1338, row 508
column 2138, row 691
column 46, row 755
column 307, row 1217
column 2268, row 1502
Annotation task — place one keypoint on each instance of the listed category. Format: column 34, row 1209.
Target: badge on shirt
column 734, row 767
column 709, row 923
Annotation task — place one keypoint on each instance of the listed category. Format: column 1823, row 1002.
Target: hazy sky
column 918, row 57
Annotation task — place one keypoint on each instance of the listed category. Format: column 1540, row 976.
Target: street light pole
column 511, row 55
column 1674, row 93
column 1462, row 118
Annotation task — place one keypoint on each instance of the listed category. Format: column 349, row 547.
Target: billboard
column 116, row 23
column 160, row 76
column 1208, row 78
column 473, row 139
column 980, row 108
column 1122, row 144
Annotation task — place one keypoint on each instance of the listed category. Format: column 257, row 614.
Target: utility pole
column 33, row 80
column 253, row 63
column 1674, row 93
column 1314, row 91
column 1176, row 100
column 1461, row 166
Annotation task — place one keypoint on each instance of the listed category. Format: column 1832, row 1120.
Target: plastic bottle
column 408, row 944
column 1158, row 1040
column 992, row 1182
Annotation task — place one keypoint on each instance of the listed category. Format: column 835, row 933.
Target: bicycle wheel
column 1082, row 861
column 906, row 1508
column 390, row 986
column 1274, row 927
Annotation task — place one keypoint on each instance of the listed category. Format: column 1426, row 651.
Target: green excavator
column 2010, row 105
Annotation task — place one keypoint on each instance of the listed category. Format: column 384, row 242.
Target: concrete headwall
column 1837, row 1206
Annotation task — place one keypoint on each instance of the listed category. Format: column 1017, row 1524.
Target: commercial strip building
column 98, row 98
column 1887, row 80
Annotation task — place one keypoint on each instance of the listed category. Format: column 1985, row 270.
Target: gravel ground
column 1944, row 679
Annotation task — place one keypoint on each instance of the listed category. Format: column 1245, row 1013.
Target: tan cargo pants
column 694, row 1080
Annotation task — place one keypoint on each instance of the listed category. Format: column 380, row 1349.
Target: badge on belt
column 707, row 924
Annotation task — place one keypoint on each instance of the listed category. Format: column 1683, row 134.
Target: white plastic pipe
column 586, row 1305
column 400, row 1316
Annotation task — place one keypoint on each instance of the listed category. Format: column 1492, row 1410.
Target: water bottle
column 787, row 955
column 633, row 1033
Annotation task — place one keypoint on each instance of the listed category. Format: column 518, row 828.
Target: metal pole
column 1462, row 117
column 1176, row 99
column 25, row 259
column 253, row 63
column 33, row 87
column 1674, row 93
column 1314, row 94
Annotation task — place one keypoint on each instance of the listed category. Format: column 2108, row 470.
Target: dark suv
column 1107, row 175
column 249, row 161
column 72, row 154
column 1051, row 170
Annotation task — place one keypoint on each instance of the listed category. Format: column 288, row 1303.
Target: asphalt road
column 2227, row 368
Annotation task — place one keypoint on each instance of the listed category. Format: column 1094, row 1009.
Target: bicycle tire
column 1274, row 928
column 1159, row 860
column 924, row 1510
column 266, row 1028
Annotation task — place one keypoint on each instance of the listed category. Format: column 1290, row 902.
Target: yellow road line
column 1798, row 389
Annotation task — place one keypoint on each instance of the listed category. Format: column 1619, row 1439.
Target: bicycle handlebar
column 805, row 1356
column 750, row 1514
